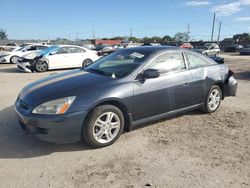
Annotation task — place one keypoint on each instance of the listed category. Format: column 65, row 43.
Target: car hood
column 70, row 83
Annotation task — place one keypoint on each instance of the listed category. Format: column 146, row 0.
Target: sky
column 71, row 19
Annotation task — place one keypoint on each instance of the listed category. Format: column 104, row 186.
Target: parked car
column 11, row 57
column 124, row 89
column 209, row 49
column 234, row 48
column 9, row 47
column 245, row 51
column 187, row 45
column 57, row 57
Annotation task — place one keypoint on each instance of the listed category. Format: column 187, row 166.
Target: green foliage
column 3, row 34
column 167, row 38
column 134, row 39
column 244, row 37
column 181, row 37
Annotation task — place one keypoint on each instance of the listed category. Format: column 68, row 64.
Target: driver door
column 155, row 96
column 59, row 59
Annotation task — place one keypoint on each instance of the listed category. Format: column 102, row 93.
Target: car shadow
column 14, row 143
column 10, row 70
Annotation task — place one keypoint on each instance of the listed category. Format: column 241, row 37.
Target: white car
column 11, row 57
column 57, row 57
column 9, row 47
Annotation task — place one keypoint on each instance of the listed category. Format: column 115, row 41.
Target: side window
column 40, row 47
column 195, row 61
column 168, row 62
column 75, row 50
column 62, row 50
column 31, row 48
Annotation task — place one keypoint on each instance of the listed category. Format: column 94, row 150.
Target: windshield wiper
column 99, row 72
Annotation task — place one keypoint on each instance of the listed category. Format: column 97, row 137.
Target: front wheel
column 213, row 99
column 41, row 66
column 103, row 126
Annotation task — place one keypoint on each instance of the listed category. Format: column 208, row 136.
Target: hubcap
column 214, row 99
column 41, row 66
column 106, row 127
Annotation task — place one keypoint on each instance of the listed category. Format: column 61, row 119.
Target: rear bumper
column 231, row 87
column 64, row 128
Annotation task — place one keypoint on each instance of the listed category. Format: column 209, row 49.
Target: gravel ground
column 191, row 150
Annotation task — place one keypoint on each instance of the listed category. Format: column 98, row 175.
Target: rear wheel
column 13, row 59
column 213, row 99
column 41, row 66
column 86, row 62
column 103, row 126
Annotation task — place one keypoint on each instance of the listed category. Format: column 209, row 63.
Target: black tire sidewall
column 39, row 70
column 207, row 109
column 87, row 130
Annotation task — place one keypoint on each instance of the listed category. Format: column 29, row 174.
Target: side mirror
column 52, row 53
column 151, row 73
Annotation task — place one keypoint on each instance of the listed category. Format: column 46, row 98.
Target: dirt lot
column 191, row 150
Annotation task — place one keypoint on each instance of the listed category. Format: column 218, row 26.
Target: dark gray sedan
column 129, row 87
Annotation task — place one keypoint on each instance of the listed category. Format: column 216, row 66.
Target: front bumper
column 24, row 67
column 3, row 60
column 64, row 128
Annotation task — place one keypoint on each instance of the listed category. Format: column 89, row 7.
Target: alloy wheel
column 106, row 127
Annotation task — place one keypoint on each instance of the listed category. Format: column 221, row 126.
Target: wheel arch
column 222, row 88
column 117, row 103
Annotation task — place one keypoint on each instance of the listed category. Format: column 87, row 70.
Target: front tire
column 213, row 99
column 41, row 66
column 13, row 59
column 103, row 126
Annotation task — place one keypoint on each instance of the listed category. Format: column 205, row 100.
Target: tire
column 13, row 59
column 87, row 62
column 213, row 99
column 41, row 66
column 97, row 130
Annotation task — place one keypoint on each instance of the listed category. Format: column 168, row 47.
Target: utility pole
column 93, row 31
column 218, row 40
column 188, row 31
column 131, row 33
column 212, row 36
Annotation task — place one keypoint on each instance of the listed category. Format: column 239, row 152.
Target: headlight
column 58, row 106
column 1, row 56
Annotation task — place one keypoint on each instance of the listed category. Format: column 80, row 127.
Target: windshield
column 206, row 46
column 119, row 64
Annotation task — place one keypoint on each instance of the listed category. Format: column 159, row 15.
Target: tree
column 134, row 39
column 3, row 34
column 167, row 38
column 244, row 37
column 181, row 37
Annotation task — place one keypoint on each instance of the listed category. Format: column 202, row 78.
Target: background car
column 234, row 48
column 9, row 47
column 57, row 57
column 11, row 57
column 245, row 51
column 209, row 49
column 187, row 45
column 124, row 89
